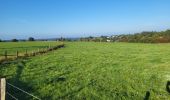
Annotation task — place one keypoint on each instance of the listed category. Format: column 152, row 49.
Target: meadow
column 93, row 70
column 12, row 47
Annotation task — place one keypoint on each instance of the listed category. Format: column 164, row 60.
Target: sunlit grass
column 12, row 47
column 89, row 70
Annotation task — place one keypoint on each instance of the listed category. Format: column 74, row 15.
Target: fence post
column 32, row 53
column 5, row 54
column 2, row 88
column 17, row 54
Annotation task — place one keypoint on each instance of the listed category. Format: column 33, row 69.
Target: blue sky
column 79, row 18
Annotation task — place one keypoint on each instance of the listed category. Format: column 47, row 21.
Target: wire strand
column 12, row 96
column 23, row 91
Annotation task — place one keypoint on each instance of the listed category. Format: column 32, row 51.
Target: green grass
column 88, row 70
column 12, row 47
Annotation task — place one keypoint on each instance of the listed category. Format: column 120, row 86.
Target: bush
column 145, row 37
column 31, row 39
column 14, row 40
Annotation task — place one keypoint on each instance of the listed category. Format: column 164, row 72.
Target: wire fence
column 12, row 96
column 2, row 86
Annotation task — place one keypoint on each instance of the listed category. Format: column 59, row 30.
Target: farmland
column 12, row 47
column 22, row 47
column 91, row 70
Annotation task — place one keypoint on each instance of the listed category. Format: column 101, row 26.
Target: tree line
column 16, row 40
column 33, row 39
column 145, row 37
column 95, row 39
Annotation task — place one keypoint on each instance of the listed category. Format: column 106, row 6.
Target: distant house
column 108, row 40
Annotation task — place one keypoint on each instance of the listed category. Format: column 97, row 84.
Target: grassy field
column 21, row 47
column 88, row 70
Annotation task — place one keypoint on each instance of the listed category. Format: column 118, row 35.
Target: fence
column 4, row 92
column 18, row 54
column 2, row 87
column 3, row 83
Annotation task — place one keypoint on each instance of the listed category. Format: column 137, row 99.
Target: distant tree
column 90, row 37
column 103, row 38
column 62, row 39
column 97, row 39
column 14, row 40
column 31, row 39
column 81, row 39
column 0, row 40
column 145, row 37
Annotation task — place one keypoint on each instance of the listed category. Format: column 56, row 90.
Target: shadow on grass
column 17, row 82
column 147, row 95
column 168, row 86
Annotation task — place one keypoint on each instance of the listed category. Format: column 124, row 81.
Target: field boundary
column 4, row 91
column 6, row 57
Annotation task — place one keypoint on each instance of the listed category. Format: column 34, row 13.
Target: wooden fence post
column 2, row 88
column 5, row 54
column 32, row 53
column 17, row 54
